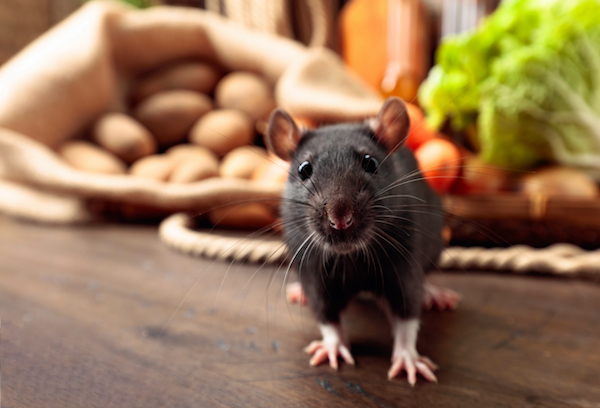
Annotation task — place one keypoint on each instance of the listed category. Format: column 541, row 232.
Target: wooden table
column 107, row 316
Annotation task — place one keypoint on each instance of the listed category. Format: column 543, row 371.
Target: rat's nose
column 340, row 222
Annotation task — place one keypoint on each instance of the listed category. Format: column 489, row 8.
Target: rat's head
column 335, row 174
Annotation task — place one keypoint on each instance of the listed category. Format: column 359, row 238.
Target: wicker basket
column 510, row 219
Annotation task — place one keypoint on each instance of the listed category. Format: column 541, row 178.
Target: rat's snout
column 340, row 214
column 341, row 223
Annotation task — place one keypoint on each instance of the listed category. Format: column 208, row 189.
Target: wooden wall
column 21, row 21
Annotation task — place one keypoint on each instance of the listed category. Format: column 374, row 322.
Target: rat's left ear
column 282, row 134
column 392, row 124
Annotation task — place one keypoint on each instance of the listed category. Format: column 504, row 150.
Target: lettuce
column 529, row 78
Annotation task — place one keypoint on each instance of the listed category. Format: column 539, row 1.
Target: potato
column 193, row 163
column 247, row 92
column 124, row 136
column 272, row 172
column 479, row 177
column 194, row 76
column 252, row 216
column 222, row 130
column 86, row 156
column 185, row 150
column 559, row 181
column 169, row 115
column 241, row 162
column 157, row 167
column 193, row 169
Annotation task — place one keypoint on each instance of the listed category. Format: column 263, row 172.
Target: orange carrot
column 419, row 131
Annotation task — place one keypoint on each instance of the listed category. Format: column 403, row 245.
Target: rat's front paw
column 441, row 298
column 295, row 294
column 321, row 350
column 405, row 356
column 412, row 363
column 334, row 344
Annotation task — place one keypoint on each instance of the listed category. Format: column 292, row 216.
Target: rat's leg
column 327, row 303
column 441, row 298
column 333, row 344
column 295, row 294
column 405, row 355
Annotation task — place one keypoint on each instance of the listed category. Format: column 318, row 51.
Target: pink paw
column 441, row 298
column 295, row 294
column 322, row 350
column 412, row 363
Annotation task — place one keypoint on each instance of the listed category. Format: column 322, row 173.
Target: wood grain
column 83, row 311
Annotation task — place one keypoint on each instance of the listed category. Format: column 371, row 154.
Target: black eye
column 370, row 163
column 305, row 170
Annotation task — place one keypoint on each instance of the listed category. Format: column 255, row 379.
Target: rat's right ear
column 392, row 124
column 282, row 134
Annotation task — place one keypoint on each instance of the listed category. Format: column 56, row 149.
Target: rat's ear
column 282, row 134
column 392, row 124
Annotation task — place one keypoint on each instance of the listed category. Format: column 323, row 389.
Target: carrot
column 419, row 131
column 439, row 161
column 381, row 39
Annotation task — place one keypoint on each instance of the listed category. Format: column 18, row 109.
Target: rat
column 358, row 216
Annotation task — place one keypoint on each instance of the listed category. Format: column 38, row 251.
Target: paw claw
column 432, row 366
column 413, row 365
column 345, row 353
column 322, row 352
column 319, row 356
column 312, row 347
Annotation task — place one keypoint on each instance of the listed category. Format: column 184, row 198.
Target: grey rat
column 358, row 216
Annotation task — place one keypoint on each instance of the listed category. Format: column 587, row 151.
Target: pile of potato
column 187, row 122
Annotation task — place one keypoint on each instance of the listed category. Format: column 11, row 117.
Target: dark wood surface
column 107, row 316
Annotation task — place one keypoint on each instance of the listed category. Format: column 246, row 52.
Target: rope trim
column 559, row 259
column 175, row 231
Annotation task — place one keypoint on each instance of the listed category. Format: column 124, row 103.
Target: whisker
column 413, row 197
column 308, row 238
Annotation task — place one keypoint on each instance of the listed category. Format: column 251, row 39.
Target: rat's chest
column 370, row 271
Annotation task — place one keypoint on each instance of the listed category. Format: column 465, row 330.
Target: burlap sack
column 81, row 68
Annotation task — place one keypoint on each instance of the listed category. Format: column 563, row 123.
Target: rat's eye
column 305, row 170
column 370, row 163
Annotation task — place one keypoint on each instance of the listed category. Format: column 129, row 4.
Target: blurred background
column 503, row 96
column 21, row 21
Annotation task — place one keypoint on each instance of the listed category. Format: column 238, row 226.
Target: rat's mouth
column 352, row 240
column 345, row 244
column 345, row 248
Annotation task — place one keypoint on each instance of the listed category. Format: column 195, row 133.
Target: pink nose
column 340, row 223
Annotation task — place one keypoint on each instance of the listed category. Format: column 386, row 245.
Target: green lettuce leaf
column 529, row 78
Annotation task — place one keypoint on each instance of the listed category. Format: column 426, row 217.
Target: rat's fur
column 395, row 236
column 358, row 216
